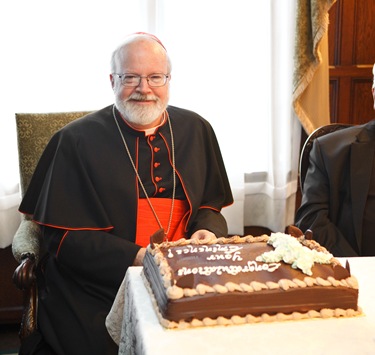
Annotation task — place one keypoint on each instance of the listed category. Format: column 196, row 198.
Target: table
column 133, row 324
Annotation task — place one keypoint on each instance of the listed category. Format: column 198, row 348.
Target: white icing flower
column 291, row 251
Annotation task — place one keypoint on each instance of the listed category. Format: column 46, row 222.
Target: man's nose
column 143, row 85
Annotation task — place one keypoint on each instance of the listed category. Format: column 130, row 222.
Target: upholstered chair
column 34, row 131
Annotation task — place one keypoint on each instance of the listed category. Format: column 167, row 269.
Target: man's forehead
column 150, row 35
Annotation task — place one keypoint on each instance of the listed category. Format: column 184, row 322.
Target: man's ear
column 112, row 81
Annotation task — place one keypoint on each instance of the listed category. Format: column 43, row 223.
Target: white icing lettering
column 252, row 266
column 228, row 252
column 221, row 252
column 237, row 256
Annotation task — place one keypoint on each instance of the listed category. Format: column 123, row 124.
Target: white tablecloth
column 134, row 324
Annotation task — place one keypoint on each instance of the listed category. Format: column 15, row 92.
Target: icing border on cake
column 174, row 292
column 248, row 319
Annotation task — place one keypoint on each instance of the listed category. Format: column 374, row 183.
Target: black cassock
column 84, row 194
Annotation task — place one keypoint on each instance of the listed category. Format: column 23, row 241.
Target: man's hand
column 138, row 261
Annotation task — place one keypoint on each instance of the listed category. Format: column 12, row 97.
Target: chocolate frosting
column 233, row 267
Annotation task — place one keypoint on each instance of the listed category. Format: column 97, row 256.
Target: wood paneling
column 351, row 38
column 351, row 58
column 364, row 32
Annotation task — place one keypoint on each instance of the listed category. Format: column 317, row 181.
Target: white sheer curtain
column 232, row 63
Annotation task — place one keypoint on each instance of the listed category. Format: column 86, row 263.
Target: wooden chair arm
column 24, row 276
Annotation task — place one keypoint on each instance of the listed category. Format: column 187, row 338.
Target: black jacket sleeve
column 211, row 220
column 314, row 212
column 97, row 256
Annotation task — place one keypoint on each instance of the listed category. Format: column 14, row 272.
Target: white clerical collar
column 152, row 130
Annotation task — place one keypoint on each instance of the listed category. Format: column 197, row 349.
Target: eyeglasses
column 153, row 80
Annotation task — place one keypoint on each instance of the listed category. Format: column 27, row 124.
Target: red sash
column 148, row 225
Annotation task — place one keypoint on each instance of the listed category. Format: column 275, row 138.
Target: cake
column 247, row 279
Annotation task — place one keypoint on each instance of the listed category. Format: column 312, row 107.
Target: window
column 231, row 61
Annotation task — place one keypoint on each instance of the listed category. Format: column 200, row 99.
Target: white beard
column 136, row 113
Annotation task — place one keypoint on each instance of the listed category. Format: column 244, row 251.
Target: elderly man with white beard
column 108, row 181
